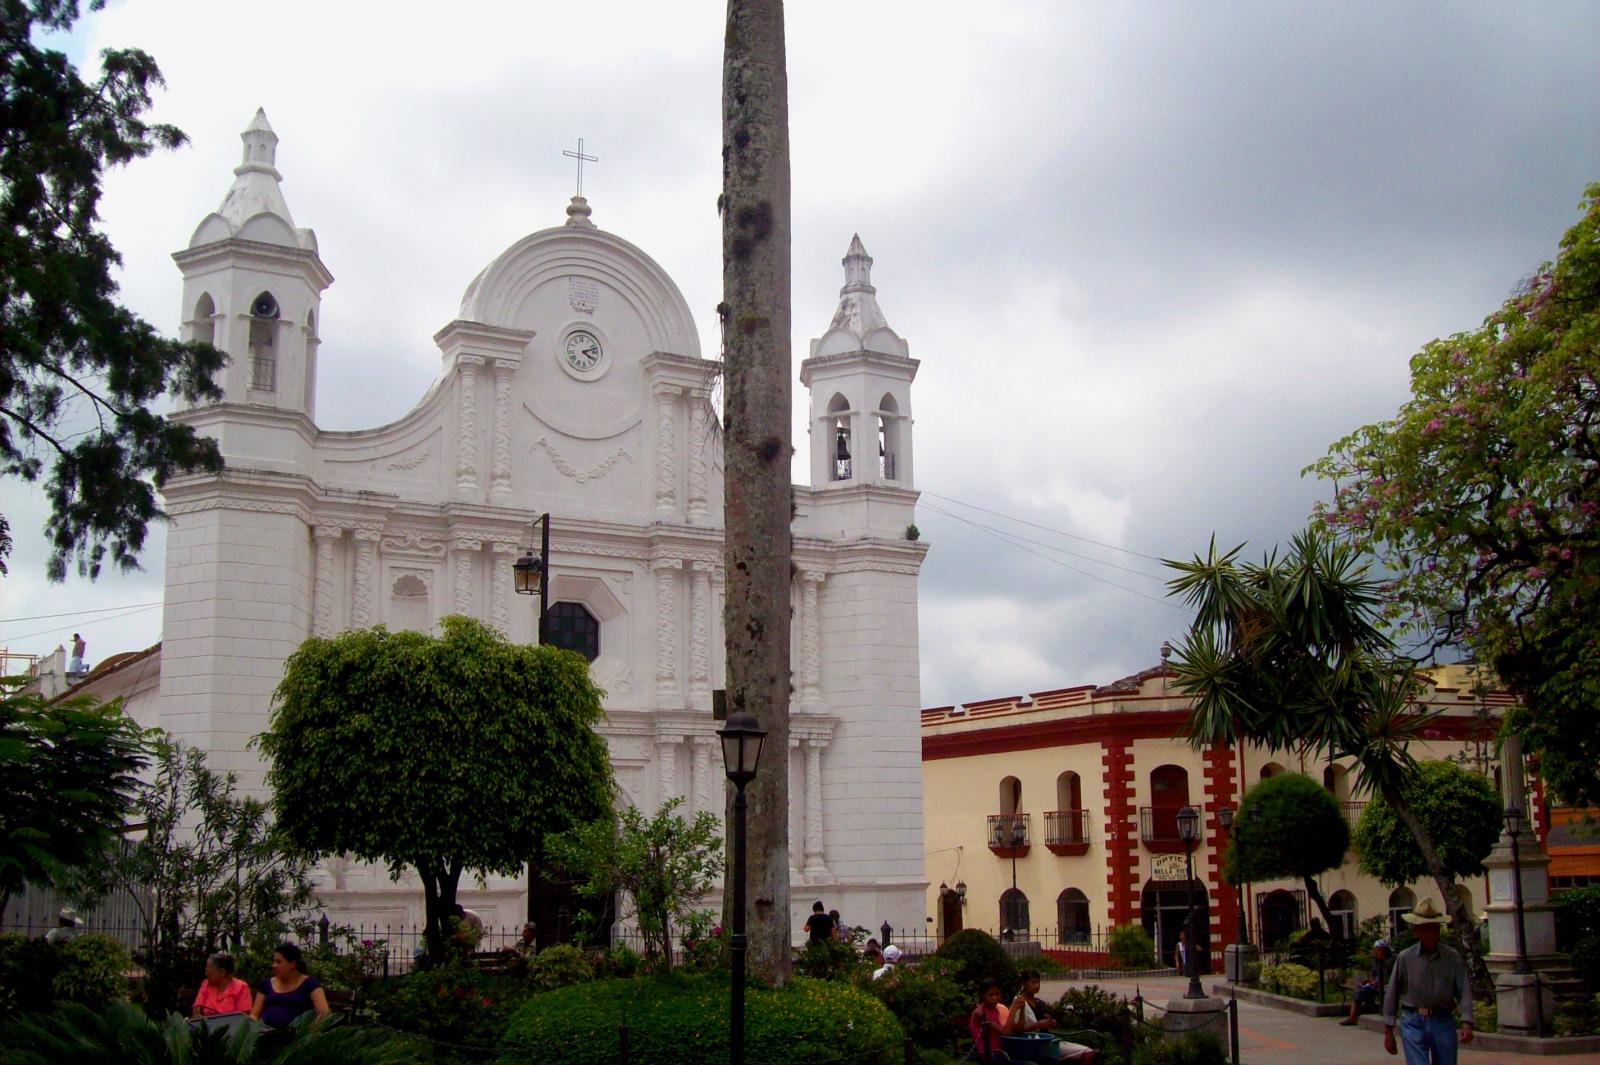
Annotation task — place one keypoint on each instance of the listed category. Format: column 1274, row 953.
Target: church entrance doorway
column 1164, row 907
column 949, row 913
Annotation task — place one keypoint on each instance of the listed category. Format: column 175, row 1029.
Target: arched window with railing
column 1072, row 916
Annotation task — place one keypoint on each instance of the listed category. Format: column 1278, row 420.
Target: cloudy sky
column 1154, row 257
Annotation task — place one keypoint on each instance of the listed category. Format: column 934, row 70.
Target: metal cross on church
column 581, row 158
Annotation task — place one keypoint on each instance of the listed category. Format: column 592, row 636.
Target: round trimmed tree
column 1459, row 810
column 1287, row 826
column 443, row 754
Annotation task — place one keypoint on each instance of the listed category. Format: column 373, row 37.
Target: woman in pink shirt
column 221, row 992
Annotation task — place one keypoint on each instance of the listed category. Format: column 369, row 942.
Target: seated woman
column 987, row 1023
column 1028, row 1014
column 288, row 993
column 221, row 992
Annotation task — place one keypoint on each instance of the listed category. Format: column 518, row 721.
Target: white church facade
column 571, row 382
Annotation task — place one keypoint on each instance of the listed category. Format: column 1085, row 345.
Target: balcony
column 1009, row 835
column 1158, row 829
column 1067, row 831
column 1352, row 813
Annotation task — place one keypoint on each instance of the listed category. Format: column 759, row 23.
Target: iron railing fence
column 1008, row 831
column 1065, row 827
column 1352, row 812
column 1159, row 824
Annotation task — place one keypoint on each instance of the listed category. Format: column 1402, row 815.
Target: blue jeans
column 1428, row 1040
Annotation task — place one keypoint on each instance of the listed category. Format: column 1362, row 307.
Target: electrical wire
column 1047, row 546
column 79, row 613
column 1045, row 528
column 85, row 624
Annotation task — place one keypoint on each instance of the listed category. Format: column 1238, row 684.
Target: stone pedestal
column 1234, row 960
column 1196, row 1014
column 1526, row 1003
column 1538, row 918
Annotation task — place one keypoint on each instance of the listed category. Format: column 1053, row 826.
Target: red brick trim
column 1105, row 729
column 1122, row 857
column 1220, row 787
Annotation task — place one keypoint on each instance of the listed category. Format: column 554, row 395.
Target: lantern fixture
column 1514, row 819
column 1225, row 817
column 742, row 737
column 1188, row 824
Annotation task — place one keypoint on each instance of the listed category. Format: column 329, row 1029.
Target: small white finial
column 578, row 214
column 857, row 268
column 260, row 146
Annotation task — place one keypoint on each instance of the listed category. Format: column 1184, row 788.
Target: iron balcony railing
column 1066, row 827
column 1009, row 832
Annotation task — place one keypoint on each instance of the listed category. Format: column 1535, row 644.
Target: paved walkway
column 1270, row 1036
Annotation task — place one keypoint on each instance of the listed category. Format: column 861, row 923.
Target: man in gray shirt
column 1428, row 986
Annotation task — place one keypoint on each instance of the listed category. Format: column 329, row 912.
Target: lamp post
column 1514, row 818
column 533, row 573
column 1225, row 819
column 1189, row 832
column 741, row 738
column 1012, row 836
column 533, row 578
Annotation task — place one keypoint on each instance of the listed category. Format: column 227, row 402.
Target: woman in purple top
column 288, row 992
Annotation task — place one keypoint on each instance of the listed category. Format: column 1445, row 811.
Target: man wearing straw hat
column 1428, row 986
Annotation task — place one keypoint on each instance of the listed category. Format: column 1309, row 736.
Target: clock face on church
column 582, row 351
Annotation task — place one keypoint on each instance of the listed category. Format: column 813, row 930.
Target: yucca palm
column 1289, row 654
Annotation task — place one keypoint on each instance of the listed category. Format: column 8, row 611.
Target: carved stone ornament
column 566, row 469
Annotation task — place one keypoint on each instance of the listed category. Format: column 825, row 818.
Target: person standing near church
column 1428, row 986
column 819, row 926
column 78, row 650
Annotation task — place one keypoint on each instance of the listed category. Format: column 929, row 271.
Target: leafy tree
column 442, row 754
column 757, row 494
column 664, row 863
column 1460, row 811
column 67, row 774
column 1482, row 497
column 1288, row 826
column 1288, row 654
column 78, row 372
column 207, row 862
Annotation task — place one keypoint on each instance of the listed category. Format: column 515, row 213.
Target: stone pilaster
column 467, row 425
column 704, row 787
column 364, row 602
column 666, row 402
column 666, row 768
column 500, row 470
column 700, row 637
column 699, row 459
column 502, row 556
column 668, row 694
column 814, row 867
column 322, row 591
column 810, row 642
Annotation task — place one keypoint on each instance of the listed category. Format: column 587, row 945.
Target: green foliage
column 978, row 957
column 445, row 754
column 1290, row 979
column 80, row 376
column 665, row 864
column 67, row 774
column 1192, row 1048
column 558, row 966
column 1131, row 947
column 1482, row 497
column 1287, row 826
column 122, row 1034
column 1578, row 1017
column 922, row 996
column 92, row 971
column 1460, row 812
column 207, row 860
column 682, row 1019
column 451, row 1002
column 618, row 963
column 1094, row 1009
column 828, row 959
column 1577, row 914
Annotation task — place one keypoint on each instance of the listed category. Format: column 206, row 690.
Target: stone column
column 1525, row 1001
column 666, row 768
column 501, row 558
column 700, row 637
column 462, row 552
column 702, row 774
column 666, row 397
column 699, row 460
column 814, row 868
column 467, row 425
column 322, row 593
column 667, row 691
column 500, row 471
column 364, row 611
column 810, row 643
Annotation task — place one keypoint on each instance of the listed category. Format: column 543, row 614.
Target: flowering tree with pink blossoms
column 1480, row 497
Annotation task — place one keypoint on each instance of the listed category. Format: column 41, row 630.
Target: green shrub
column 1131, row 947
column 27, row 972
column 93, row 971
column 683, row 1018
column 1577, row 916
column 1290, row 979
column 618, row 963
column 827, row 959
column 1192, row 1048
column 559, row 966
column 452, row 1003
column 978, row 957
column 1094, row 1009
column 923, row 997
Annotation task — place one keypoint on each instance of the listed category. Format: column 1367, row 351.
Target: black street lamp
column 742, row 736
column 1012, row 836
column 1189, row 832
column 1225, row 819
column 1514, row 819
column 533, row 578
column 533, row 573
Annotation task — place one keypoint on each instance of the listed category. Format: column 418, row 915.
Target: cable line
column 1046, row 528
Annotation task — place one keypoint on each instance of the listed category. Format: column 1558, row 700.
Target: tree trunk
column 1466, row 929
column 757, row 496
column 1322, row 904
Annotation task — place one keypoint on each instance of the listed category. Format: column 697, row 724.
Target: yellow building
column 1055, row 815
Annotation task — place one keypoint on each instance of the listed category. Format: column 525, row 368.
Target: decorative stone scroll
column 666, row 451
column 322, row 593
column 363, row 615
column 700, row 636
column 500, row 471
column 666, row 572
column 467, row 424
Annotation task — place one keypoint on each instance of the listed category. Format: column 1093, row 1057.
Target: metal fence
column 1089, row 951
